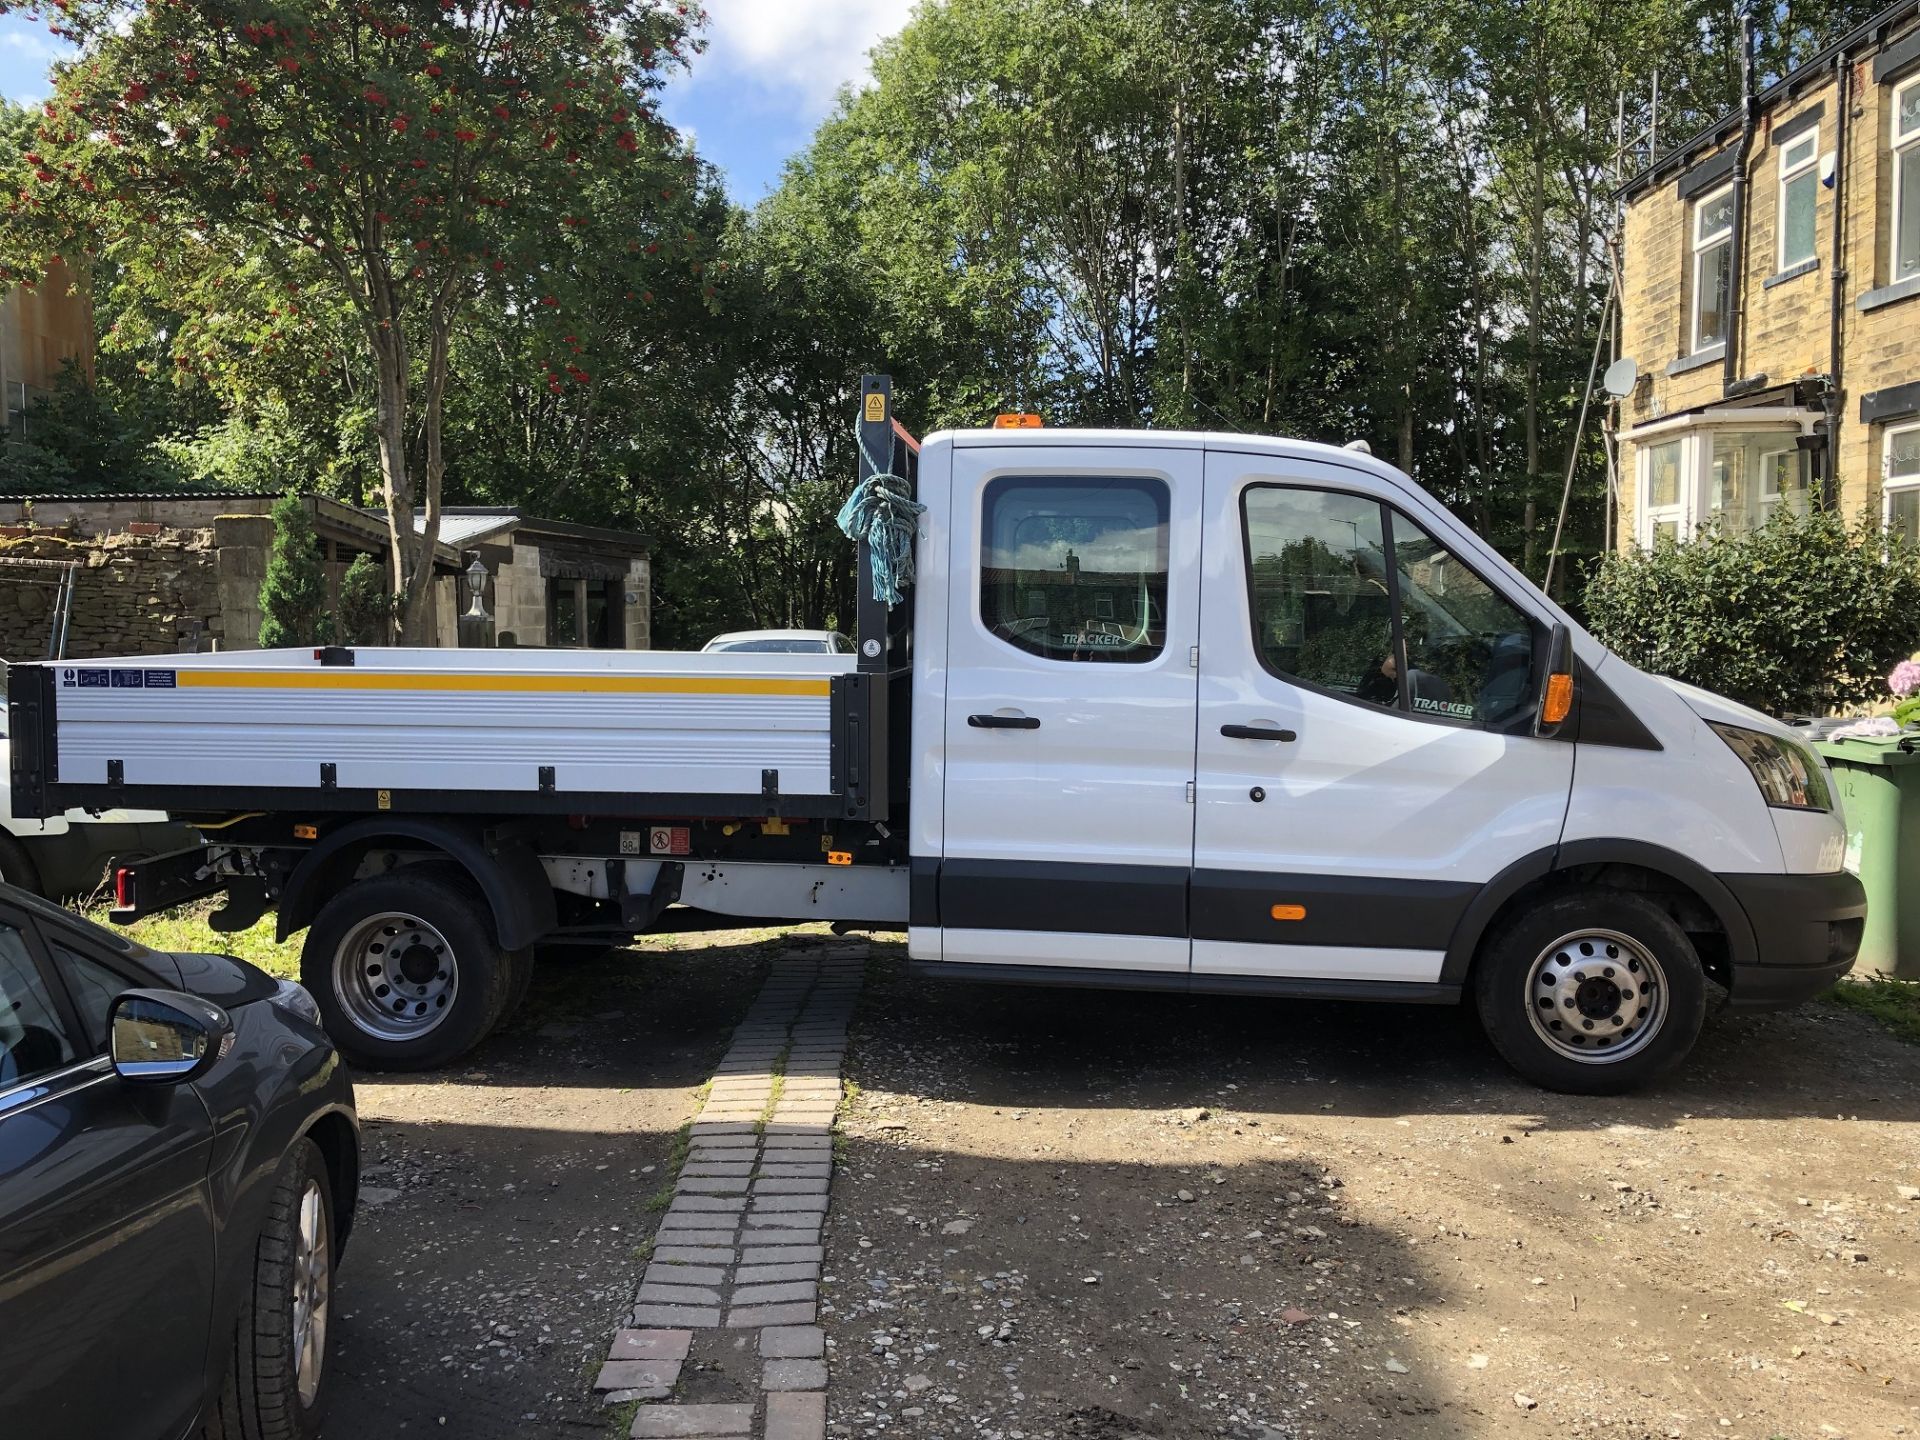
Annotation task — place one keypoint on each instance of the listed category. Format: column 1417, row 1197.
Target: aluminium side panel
column 461, row 723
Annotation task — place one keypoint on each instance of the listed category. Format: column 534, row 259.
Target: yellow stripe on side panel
column 343, row 678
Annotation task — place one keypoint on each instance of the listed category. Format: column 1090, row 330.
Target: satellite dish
column 1620, row 376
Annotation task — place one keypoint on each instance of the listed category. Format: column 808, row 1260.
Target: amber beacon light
column 1017, row 420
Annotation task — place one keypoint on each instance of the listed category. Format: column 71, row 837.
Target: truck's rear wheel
column 1591, row 991
column 406, row 970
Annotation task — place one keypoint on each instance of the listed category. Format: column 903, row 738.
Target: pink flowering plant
column 1904, row 682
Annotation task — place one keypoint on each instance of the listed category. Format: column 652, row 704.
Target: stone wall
column 133, row 595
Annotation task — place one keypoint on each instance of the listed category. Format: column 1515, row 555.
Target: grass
column 187, row 929
column 1894, row 1003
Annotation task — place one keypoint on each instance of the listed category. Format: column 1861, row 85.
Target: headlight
column 295, row 1000
column 1789, row 775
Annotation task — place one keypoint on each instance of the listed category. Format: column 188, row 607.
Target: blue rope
column 883, row 512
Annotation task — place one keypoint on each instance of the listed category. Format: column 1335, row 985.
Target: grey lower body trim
column 1181, row 982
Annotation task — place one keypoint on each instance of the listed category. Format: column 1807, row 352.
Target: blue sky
column 768, row 78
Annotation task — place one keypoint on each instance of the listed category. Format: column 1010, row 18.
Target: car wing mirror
column 1555, row 702
column 167, row 1037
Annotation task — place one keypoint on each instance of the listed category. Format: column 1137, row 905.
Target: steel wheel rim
column 1596, row 997
column 395, row 976
column 312, row 1285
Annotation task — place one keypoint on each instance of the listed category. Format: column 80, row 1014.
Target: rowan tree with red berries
column 283, row 169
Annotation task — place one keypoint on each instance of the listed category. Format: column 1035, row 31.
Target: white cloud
column 802, row 49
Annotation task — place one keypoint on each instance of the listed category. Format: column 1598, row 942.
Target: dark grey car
column 179, row 1160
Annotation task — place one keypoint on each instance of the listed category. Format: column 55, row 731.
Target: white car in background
column 69, row 854
column 780, row 642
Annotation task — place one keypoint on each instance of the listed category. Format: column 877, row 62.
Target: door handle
column 1003, row 722
column 1256, row 732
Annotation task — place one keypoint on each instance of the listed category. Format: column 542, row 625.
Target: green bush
column 366, row 609
column 1802, row 616
column 293, row 597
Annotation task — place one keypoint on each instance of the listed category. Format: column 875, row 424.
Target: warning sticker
column 129, row 679
column 72, row 679
column 160, row 679
column 668, row 840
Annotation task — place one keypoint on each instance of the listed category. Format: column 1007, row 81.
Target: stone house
column 159, row 573
column 1771, row 300
column 40, row 330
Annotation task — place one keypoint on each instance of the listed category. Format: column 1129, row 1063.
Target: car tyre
column 406, row 968
column 276, row 1370
column 16, row 866
column 1590, row 991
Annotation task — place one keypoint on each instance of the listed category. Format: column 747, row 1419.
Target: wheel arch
column 339, row 1145
column 508, row 873
column 1702, row 902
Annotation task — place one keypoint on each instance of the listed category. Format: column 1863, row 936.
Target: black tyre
column 16, row 866
column 406, row 969
column 276, row 1363
column 1590, row 991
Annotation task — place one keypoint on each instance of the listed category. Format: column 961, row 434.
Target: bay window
column 1733, row 476
column 1900, row 481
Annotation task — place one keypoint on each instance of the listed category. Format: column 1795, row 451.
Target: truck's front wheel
column 406, row 969
column 1591, row 991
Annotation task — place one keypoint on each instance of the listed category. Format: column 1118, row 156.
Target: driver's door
column 1366, row 760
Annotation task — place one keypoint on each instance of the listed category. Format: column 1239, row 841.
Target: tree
column 293, row 169
column 293, row 597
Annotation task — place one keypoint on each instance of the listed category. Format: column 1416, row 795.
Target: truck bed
column 559, row 731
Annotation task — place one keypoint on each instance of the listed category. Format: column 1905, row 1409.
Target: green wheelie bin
column 1879, row 783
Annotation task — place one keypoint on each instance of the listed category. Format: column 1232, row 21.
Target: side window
column 32, row 1040
column 1076, row 569
column 1469, row 652
column 1322, row 611
column 93, row 988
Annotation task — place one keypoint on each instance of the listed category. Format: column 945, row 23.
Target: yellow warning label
column 876, row 408
column 384, row 799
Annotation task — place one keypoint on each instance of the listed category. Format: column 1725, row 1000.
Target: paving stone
column 654, row 1293
column 716, row 1169
column 668, row 1272
column 776, row 1294
column 721, row 1127
column 801, row 1416
column 796, row 1204
column 696, row 1230
column 773, row 1274
column 793, row 1342
column 650, row 1344
column 761, row 1227
column 753, row 1317
column 674, row 1317
column 782, row 1238
column 641, row 1392
column 782, row 1255
column 799, row 1142
column 695, row 1185
column 788, row 1127
column 694, row 1254
column 724, row 1145
column 684, row 1204
column 784, row 1185
column 815, row 1167
column 684, row 1422
column 794, row 1375
column 638, row 1375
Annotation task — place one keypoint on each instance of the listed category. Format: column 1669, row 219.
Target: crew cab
column 1189, row 712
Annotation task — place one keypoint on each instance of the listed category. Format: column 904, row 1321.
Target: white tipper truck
column 1182, row 712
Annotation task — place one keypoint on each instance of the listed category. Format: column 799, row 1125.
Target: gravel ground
column 1092, row 1215
column 504, row 1200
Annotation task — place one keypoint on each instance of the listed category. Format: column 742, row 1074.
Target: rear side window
column 1352, row 597
column 1074, row 568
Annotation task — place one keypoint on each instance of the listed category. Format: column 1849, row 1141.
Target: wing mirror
column 1556, row 686
column 167, row 1037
